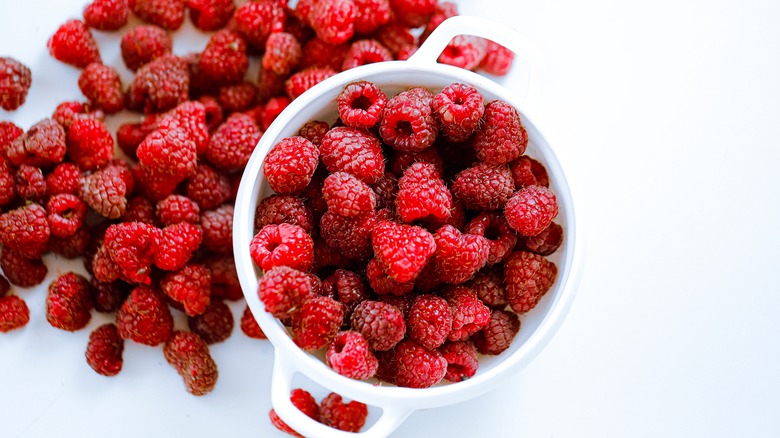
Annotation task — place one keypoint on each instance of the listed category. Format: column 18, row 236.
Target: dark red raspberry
column 388, row 367
column 290, row 164
column 347, row 287
column 15, row 81
column 213, row 325
column 217, row 228
column 527, row 277
column 528, row 172
column 232, row 143
column 333, row 20
column 72, row 246
column 380, row 323
column 488, row 284
column 224, row 60
column 103, row 267
column 190, row 356
column 403, row 250
column 360, row 104
column 502, row 137
column 400, row 161
column 335, row 413
column 353, row 151
column 207, row 187
column 108, row 297
column 177, row 244
column 443, row 11
column 531, row 209
column 104, row 350
column 102, row 86
column 142, row 44
column 168, row 14
column 5, row 286
column 325, row 256
column 314, row 131
column 176, row 209
column 546, row 242
column 501, row 237
column 382, row 283
column 144, row 317
column 256, row 20
column 469, row 314
column 408, row 123
column 63, row 179
column 66, row 213
column 271, row 110
column 7, row 182
column 302, row 400
column 349, row 355
column 20, row 270
column 498, row 59
column 69, row 302
column 14, row 313
column 105, row 192
column 317, row 323
column 224, row 276
column 418, row 367
column 422, row 193
column 130, row 135
column 41, row 146
column 396, row 37
column 370, row 14
column 68, row 112
column 406, row 53
column 283, row 53
column 347, row 195
column 429, row 321
column 25, row 230
column 90, row 144
column 214, row 114
column 282, row 245
column 190, row 286
column 154, row 185
column 283, row 209
column 282, row 290
column 73, row 44
column 132, row 246
column 318, row 53
column 497, row 336
column 364, row 52
column 464, row 51
column 8, row 133
column 106, row 14
column 459, row 256
column 459, row 109
column 249, row 325
column 461, row 360
column 237, row 97
column 210, row 15
column 159, row 85
column 386, row 190
column 413, row 13
column 139, row 209
column 30, row 183
column 301, row 81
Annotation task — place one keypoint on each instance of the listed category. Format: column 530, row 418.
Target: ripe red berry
column 132, row 246
column 290, row 164
column 207, row 187
column 232, row 143
column 256, row 20
column 380, row 323
column 370, row 15
column 74, row 44
column 210, row 15
column 66, row 214
column 347, row 195
column 333, row 20
column 102, row 86
column 20, row 270
column 301, row 81
column 142, row 44
column 349, row 417
column 283, row 53
column 144, row 317
column 159, row 85
column 284, row 209
column 531, row 209
column 469, row 314
column 30, row 183
column 217, row 226
column 417, row 366
column 363, row 52
column 464, row 51
column 168, row 14
column 360, row 104
column 177, row 243
column 546, row 242
column 527, row 277
column 498, row 59
column 224, row 60
column 14, row 313
column 25, row 230
column 429, row 321
column 105, row 191
column 69, row 302
column 283, row 289
column 237, row 97
column 317, row 323
column 497, row 336
column 104, row 350
column 383, row 284
column 15, row 81
column 488, row 284
column 500, row 236
column 349, row 355
column 190, row 286
column 528, row 172
column 213, row 325
column 413, row 13
column 190, row 356
column 249, row 325
column 408, row 123
column 90, row 144
column 461, row 360
column 502, row 137
column 459, row 108
column 302, row 400
column 353, row 151
column 106, row 14
column 403, row 250
column 318, row 53
column 282, row 245
column 41, row 146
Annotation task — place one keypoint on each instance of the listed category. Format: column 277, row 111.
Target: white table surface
column 668, row 113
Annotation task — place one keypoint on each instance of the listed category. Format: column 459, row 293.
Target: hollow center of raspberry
column 361, row 102
column 404, row 129
column 491, row 233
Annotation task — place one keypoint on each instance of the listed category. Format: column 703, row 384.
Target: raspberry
column 314, row 131
column 232, row 143
column 139, row 209
column 325, row 256
column 461, row 360
column 68, row 112
column 370, row 14
column 469, row 314
column 14, row 313
column 63, row 179
column 301, row 81
column 215, row 324
column 224, row 60
column 190, row 356
column 154, row 185
column 282, row 290
column 527, row 277
column 15, row 81
column 224, row 278
column 283, row 53
column 20, row 270
column 386, row 190
column 143, row 44
column 106, row 14
column 443, row 11
column 531, row 209
column 176, row 209
column 132, row 246
column 347, row 195
column 190, row 286
column 422, row 193
column 256, row 20
column 302, row 400
column 273, row 107
column 7, row 182
column 403, row 250
column 317, row 323
column 290, row 164
column 214, row 114
column 207, row 187
column 5, row 286
column 459, row 109
column 103, row 267
column 218, row 229
column 400, row 161
column 333, row 20
column 30, row 183
column 130, row 135
column 105, row 192
column 464, row 51
column 501, row 237
column 177, row 244
column 349, row 417
column 353, row 151
column 429, row 321
column 169, row 150
column 73, row 44
column 90, row 144
column 25, row 230
column 65, row 214
column 283, row 209
column 488, row 284
column 318, row 53
column 498, row 59
column 345, row 286
column 144, row 317
column 502, row 137
column 104, row 350
column 102, row 86
column 191, row 118
column 159, row 85
column 8, row 133
column 349, row 355
column 418, row 367
column 237, row 97
column 408, row 123
column 546, row 242
column 413, row 13
column 360, row 104
column 496, row 337
column 41, row 146
column 168, row 14
column 282, row 245
column 249, row 325
column 396, row 37
column 108, row 297
column 69, row 302
column 380, row 323
column 364, row 52
column 210, row 15
column 382, row 283
column 459, row 256
column 528, row 172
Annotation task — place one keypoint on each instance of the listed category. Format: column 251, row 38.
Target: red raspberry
column 347, row 195
column 380, row 323
column 408, row 123
column 464, row 51
column 25, row 230
column 528, row 172
column 168, row 14
column 282, row 290
column 418, row 367
column 154, row 185
column 69, row 302
column 406, row 53
column 302, row 400
column 130, row 135
column 388, row 367
column 371, row 14
column 318, row 53
column 531, row 210
column 501, row 237
column 256, row 20
column 459, row 109
column 283, row 53
column 290, row 164
column 215, row 324
column 139, row 209
column 527, row 277
column 132, row 246
column 214, row 114
column 301, row 81
column 8, row 133
column 159, row 85
column 347, row 287
column 224, row 278
column 273, row 107
column 218, row 229
column 169, row 150
column 333, row 20
column 461, row 360
column 350, row 236
column 105, row 192
column 325, row 256
column 41, row 146
column 314, row 131
column 224, row 60
column 30, row 183
column 422, row 193
column 142, row 44
column 190, row 356
column 395, row 36
column 459, row 256
column 5, row 286
column 108, row 297
column 429, row 321
column 502, row 137
column 63, row 179
column 282, row 245
column 73, row 44
column 413, row 13
column 15, row 81
column 65, row 214
column 443, row 11
column 90, row 144
column 21, row 270
column 364, row 52
column 103, row 267
column 400, row 161
column 14, row 313
column 7, row 182
column 349, row 355
column 283, row 209
column 176, row 209
column 403, row 250
column 190, row 286
column 72, row 246
column 144, row 317
column 317, row 323
column 237, row 97
column 207, row 187
column 232, row 143
column 68, row 112
column 349, row 417
column 106, row 14
column 104, row 350
column 177, row 244
column 209, row 15
column 469, row 314
column 312, row 194
column 488, row 284
column 546, row 242
column 382, row 283
column 386, row 190
column 360, row 104
column 497, row 336
column 249, row 325
column 102, row 86
column 498, row 59
column 353, row 151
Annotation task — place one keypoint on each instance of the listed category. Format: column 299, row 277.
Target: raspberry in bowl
column 406, row 231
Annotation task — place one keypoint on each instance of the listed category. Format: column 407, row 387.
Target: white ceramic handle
column 281, row 386
column 430, row 50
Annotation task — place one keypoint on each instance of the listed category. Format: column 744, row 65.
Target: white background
column 667, row 114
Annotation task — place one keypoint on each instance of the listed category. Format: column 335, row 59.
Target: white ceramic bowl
column 538, row 325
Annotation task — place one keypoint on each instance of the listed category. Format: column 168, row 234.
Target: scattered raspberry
column 380, row 323
column 132, row 246
column 317, row 323
column 103, row 267
column 30, row 183
column 282, row 245
column 7, row 182
column 318, row 53
column 408, row 123
column 210, row 15
column 383, row 284
column 25, row 230
column 249, row 325
column 413, row 13
column 531, row 210
column 403, row 250
column 69, row 302
column 168, row 14
column 215, row 324
column 360, row 104
column 5, row 286
column 68, row 112
column 159, row 85
column 353, row 151
column 429, row 321
column 90, row 144
column 370, row 15
column 422, row 193
column 14, row 313
column 224, row 278
column 104, row 350
column 461, row 360
column 333, row 20
column 528, row 172
column 108, row 297
column 190, row 356
column 102, row 86
column 546, row 242
column 176, row 209
column 271, row 110
column 290, row 164
column 283, row 53
column 232, row 143
column 224, row 60
column 65, row 214
column 364, row 52
column 464, row 51
column 283, row 209
column 106, row 14
column 350, row 356
column 459, row 109
column 498, row 59
column 302, row 400
column 73, row 44
column 283, row 289
column 63, row 179
column 256, row 20
column 143, row 44
column 20, row 270
column 105, row 192
column 154, row 185
column 335, row 413
column 207, row 187
column 190, row 286
column 140, row 209
column 130, row 135
column 217, row 228
column 301, row 81
column 497, row 336
column 237, row 97
column 418, row 367
column 527, row 277
column 15, row 81
column 72, row 246
column 41, row 146
column 144, row 317
column 502, row 137
column 177, row 244
column 469, row 314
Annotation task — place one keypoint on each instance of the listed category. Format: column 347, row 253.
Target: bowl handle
column 438, row 40
column 281, row 385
